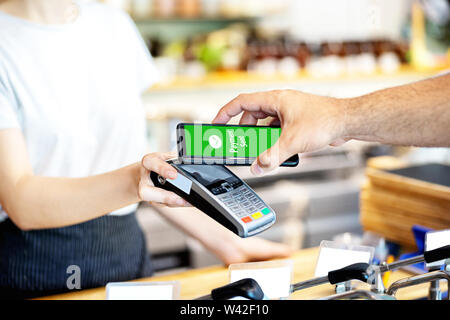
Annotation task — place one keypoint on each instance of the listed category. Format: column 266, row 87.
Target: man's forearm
column 46, row 202
column 416, row 114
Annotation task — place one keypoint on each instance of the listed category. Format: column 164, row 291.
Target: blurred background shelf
column 170, row 29
column 195, row 20
column 239, row 78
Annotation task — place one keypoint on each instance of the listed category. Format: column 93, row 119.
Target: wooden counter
column 198, row 282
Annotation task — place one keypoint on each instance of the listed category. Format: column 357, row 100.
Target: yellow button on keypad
column 257, row 215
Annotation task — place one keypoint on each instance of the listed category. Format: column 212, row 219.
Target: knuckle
column 147, row 159
column 264, row 161
column 279, row 93
column 241, row 97
column 283, row 94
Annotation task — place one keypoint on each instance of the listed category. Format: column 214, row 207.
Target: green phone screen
column 228, row 141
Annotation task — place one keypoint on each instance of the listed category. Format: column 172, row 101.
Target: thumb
column 271, row 158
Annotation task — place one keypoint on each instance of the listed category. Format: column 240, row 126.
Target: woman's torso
column 75, row 90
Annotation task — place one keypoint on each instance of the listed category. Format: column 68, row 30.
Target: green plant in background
column 210, row 51
column 210, row 55
column 175, row 49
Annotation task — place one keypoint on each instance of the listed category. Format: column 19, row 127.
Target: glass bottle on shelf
column 188, row 8
column 142, row 9
column 164, row 8
column 210, row 8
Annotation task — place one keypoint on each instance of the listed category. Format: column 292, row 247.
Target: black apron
column 40, row 262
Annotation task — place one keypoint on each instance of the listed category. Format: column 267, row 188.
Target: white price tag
column 143, row 290
column 274, row 277
column 434, row 240
column 332, row 257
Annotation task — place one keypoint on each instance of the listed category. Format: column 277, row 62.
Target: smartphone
column 200, row 143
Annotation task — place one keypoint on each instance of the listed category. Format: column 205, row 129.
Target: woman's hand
column 156, row 162
column 241, row 250
column 223, row 243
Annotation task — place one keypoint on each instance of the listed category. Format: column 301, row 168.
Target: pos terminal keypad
column 245, row 204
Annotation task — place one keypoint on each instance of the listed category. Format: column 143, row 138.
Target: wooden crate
column 391, row 204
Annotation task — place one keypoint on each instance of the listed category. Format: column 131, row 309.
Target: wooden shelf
column 236, row 78
column 202, row 19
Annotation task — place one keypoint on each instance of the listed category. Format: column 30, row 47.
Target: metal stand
column 343, row 287
column 309, row 283
column 432, row 277
column 341, row 277
column 434, row 292
column 359, row 294
column 375, row 272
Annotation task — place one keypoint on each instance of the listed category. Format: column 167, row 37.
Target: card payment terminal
column 219, row 193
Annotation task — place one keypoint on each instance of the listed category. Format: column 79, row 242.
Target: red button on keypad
column 247, row 219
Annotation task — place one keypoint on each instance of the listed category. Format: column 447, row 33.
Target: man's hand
column 415, row 114
column 308, row 122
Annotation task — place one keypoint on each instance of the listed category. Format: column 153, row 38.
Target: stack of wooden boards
column 393, row 200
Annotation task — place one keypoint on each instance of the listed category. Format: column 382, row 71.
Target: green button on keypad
column 265, row 211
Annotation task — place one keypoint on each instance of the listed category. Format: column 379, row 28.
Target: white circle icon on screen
column 215, row 141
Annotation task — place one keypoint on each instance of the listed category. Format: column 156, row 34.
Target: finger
column 163, row 205
column 272, row 250
column 251, row 118
column 252, row 102
column 185, row 204
column 156, row 162
column 272, row 157
column 156, row 204
column 153, row 194
column 275, row 122
column 248, row 118
column 169, row 155
column 339, row 142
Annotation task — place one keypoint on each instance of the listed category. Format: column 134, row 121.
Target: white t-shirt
column 75, row 91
